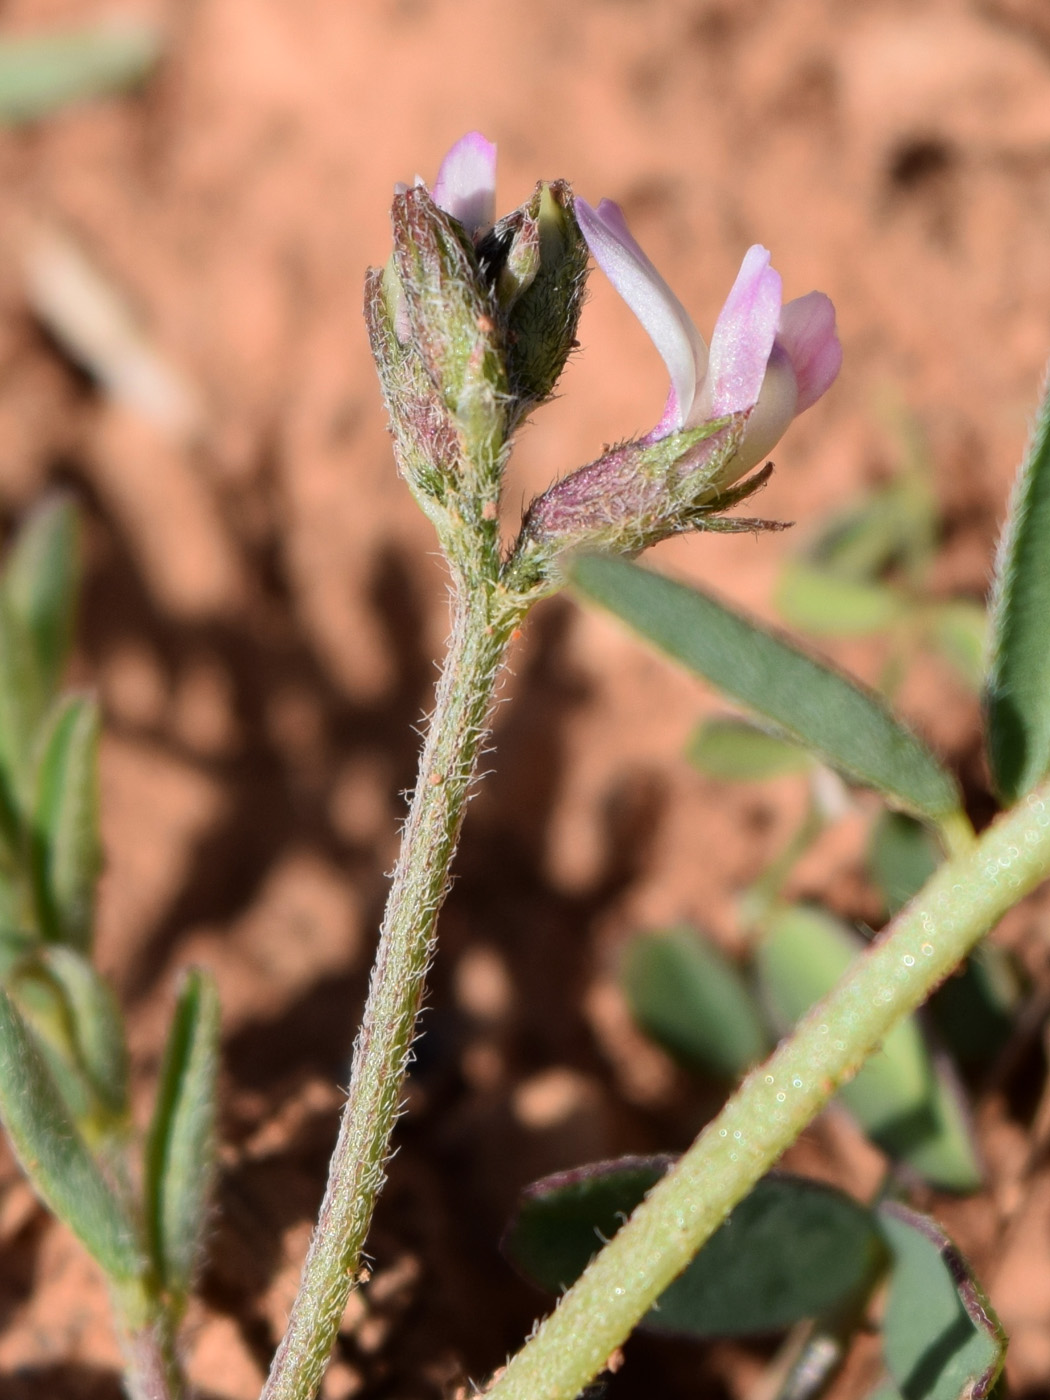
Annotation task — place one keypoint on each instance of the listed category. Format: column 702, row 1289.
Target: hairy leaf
column 834, row 717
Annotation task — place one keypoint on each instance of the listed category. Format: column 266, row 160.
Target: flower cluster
column 472, row 323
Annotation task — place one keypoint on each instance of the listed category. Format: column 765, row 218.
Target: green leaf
column 42, row 1005
column 974, row 1010
column 180, row 1153
column 1018, row 689
column 42, row 72
column 80, row 1032
column 895, row 527
column 960, row 632
column 735, row 750
column 793, row 1248
column 907, row 1105
column 829, row 605
column 941, row 1339
column 902, row 855
column 41, row 579
column 846, row 726
column 22, row 708
column 54, row 1156
column 67, row 853
column 687, row 996
column 98, row 1027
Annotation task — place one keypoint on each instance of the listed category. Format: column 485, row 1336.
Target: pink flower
column 767, row 359
column 466, row 183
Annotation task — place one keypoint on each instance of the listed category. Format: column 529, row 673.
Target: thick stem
column 481, row 628
column 776, row 1101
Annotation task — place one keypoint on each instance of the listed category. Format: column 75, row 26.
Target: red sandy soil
column 263, row 604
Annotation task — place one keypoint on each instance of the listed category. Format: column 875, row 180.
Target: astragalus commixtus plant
column 471, row 323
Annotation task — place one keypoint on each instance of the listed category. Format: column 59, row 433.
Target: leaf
column 180, row 1153
column 21, row 713
column 846, row 726
column 80, row 1032
column 690, row 998
column 41, row 581
column 67, row 853
column 895, row 526
column 960, row 631
column 829, row 605
column 98, row 1028
column 940, row 1337
column 42, row 72
column 793, row 1248
column 1017, row 698
column 974, row 1010
column 907, row 1105
column 902, row 855
column 735, row 750
column 53, row 1154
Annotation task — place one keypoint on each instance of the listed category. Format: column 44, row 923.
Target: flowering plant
column 471, row 323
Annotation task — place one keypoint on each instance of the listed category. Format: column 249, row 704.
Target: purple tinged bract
column 766, row 359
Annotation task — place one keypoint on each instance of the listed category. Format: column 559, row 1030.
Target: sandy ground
column 263, row 605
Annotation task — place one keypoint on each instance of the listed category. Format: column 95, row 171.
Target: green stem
column 151, row 1364
column 481, row 629
column 962, row 900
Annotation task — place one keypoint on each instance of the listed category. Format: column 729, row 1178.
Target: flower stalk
column 482, row 625
column 777, row 1100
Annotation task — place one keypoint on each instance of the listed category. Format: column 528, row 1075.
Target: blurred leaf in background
column 692, row 1000
column 907, row 1103
column 866, row 573
column 41, row 73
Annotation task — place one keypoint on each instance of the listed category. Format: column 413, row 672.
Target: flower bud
column 537, row 261
column 426, row 439
column 451, row 316
column 631, row 497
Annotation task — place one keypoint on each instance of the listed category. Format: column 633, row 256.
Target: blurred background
column 181, row 347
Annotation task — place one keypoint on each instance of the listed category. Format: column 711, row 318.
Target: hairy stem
column 481, row 628
column 151, row 1365
column 777, row 1100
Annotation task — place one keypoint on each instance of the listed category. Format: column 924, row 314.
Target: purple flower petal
column 466, row 183
column 771, row 416
column 807, row 333
column 743, row 339
column 669, row 325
